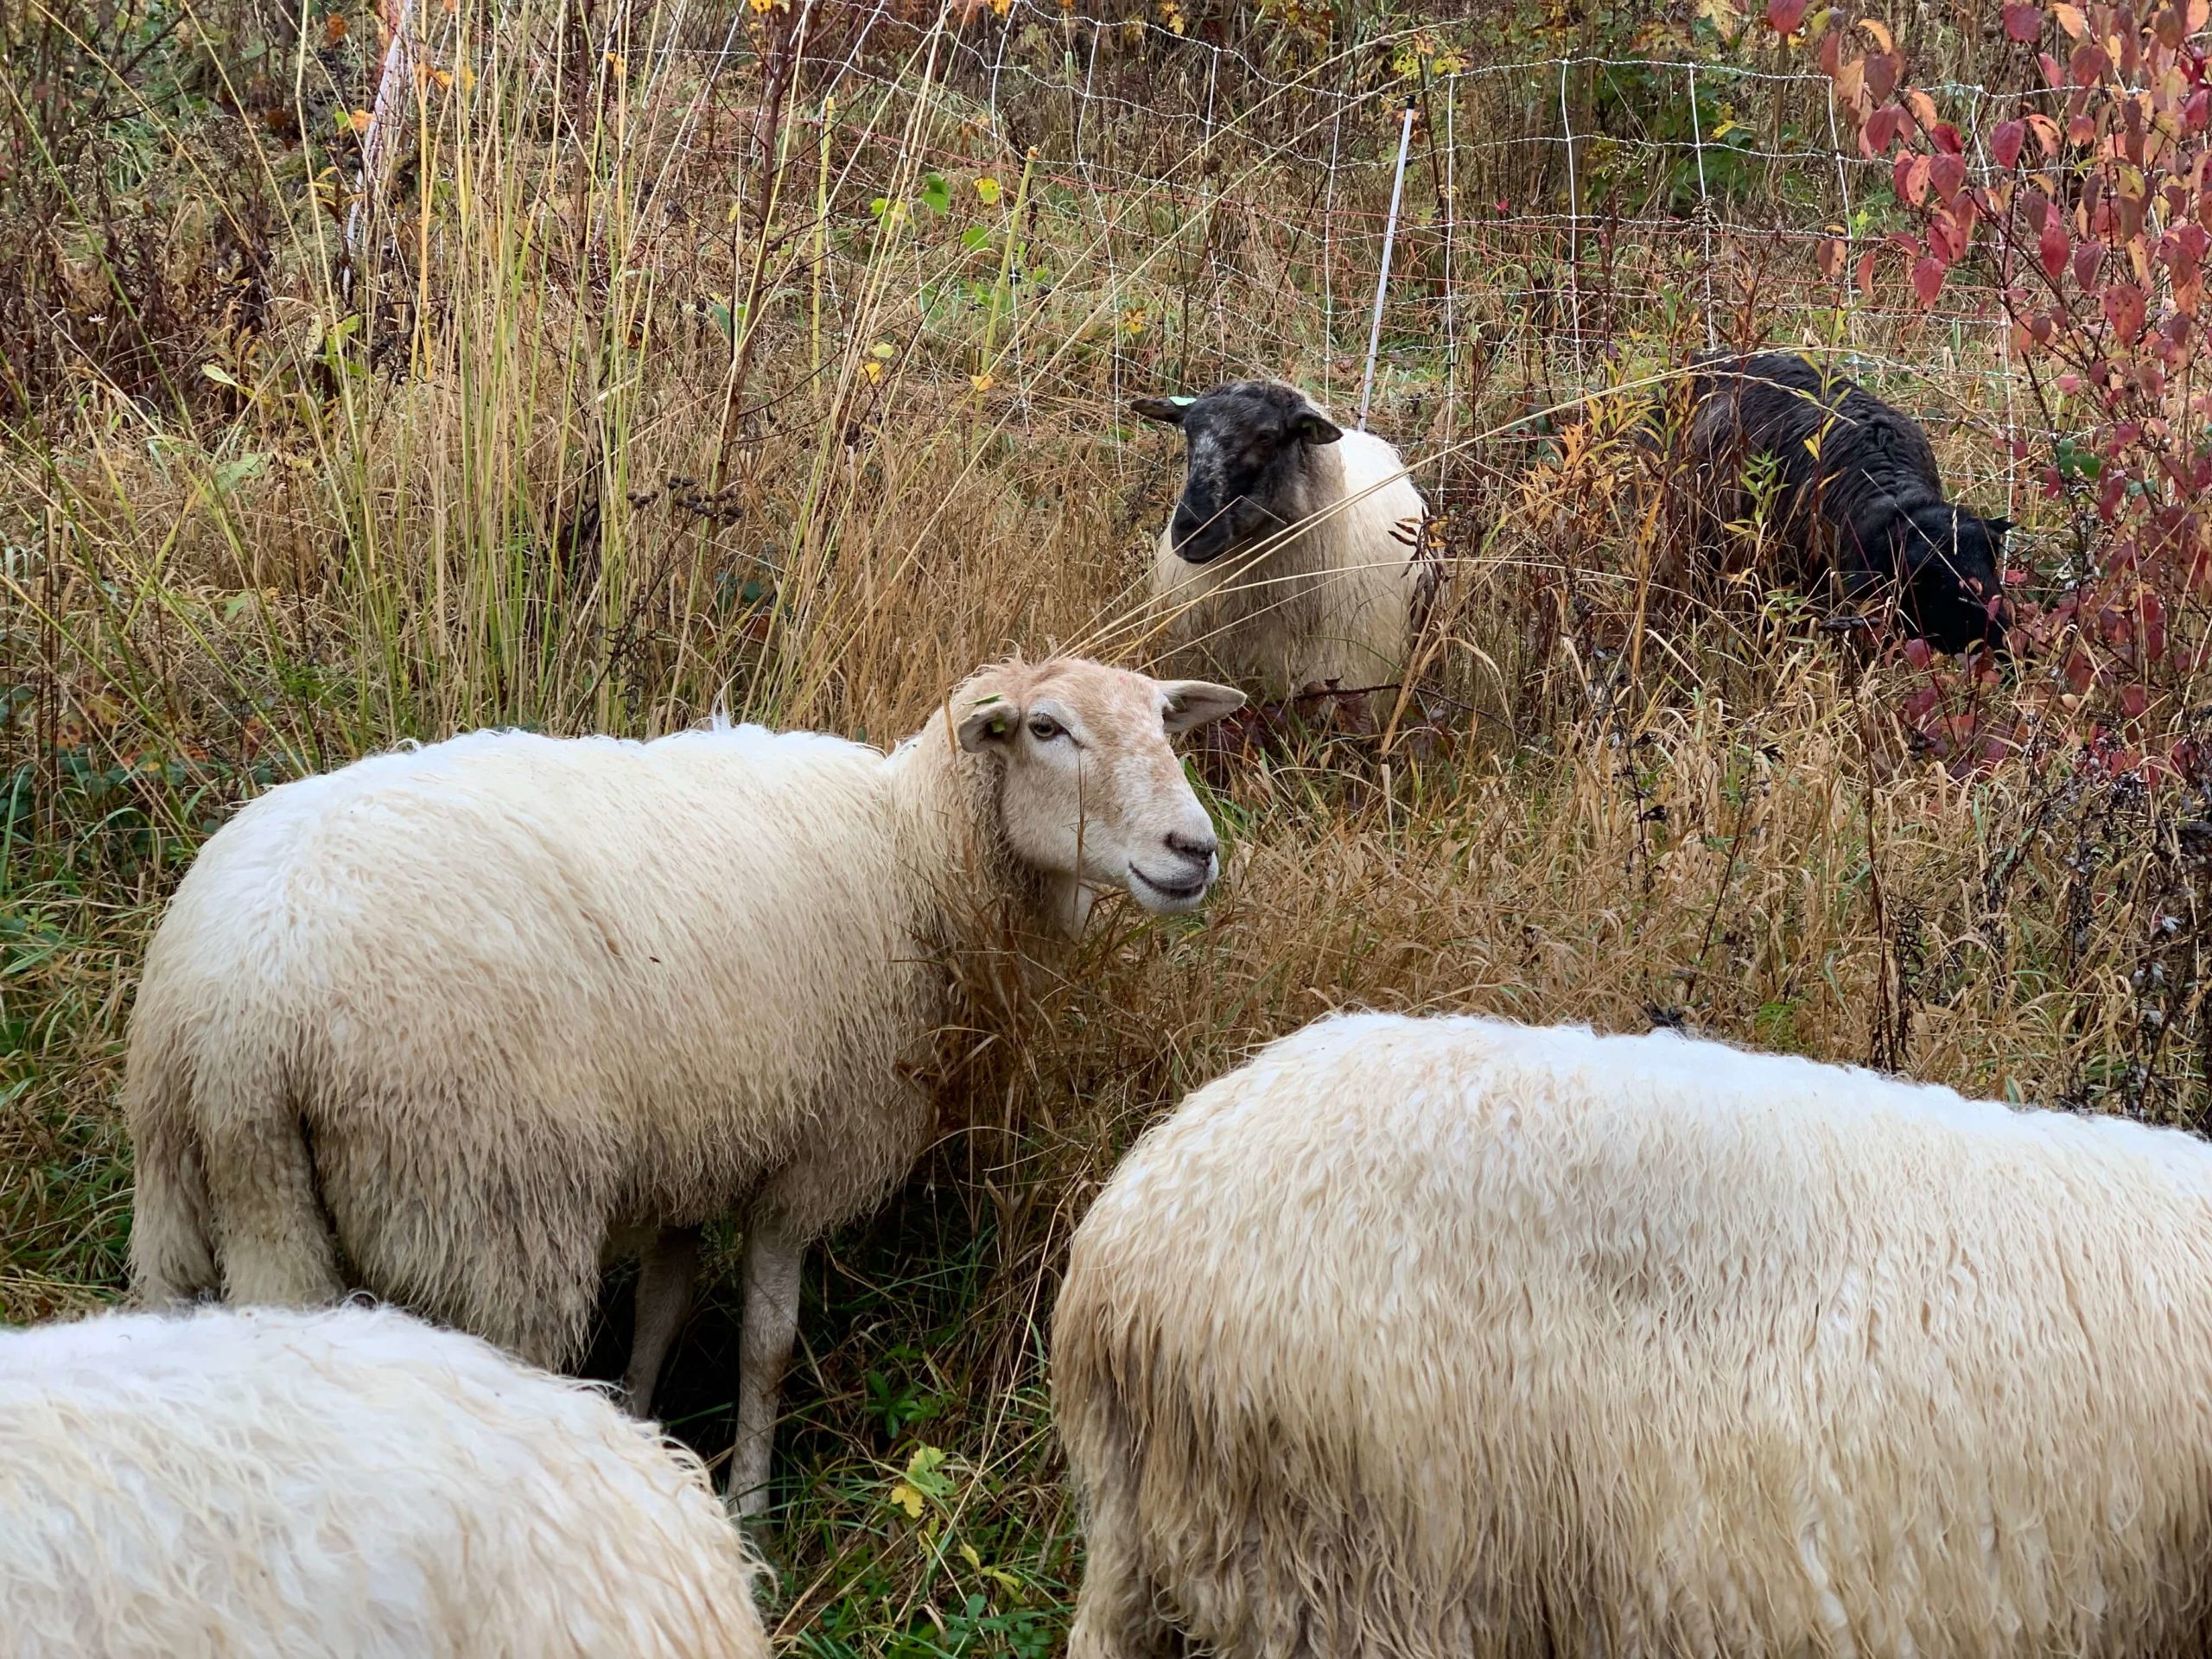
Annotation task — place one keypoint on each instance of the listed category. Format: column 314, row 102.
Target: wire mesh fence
column 1060, row 203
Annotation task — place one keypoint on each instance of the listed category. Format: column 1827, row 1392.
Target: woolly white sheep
column 1293, row 558
column 353, row 1484
column 1421, row 1337
column 452, row 1024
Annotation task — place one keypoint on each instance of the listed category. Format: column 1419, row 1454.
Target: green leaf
column 221, row 377
column 974, row 237
column 937, row 194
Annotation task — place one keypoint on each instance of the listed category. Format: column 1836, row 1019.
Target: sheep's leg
column 664, row 1281
column 772, row 1255
column 1117, row 1614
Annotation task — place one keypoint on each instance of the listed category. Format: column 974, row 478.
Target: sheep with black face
column 1860, row 494
column 1292, row 560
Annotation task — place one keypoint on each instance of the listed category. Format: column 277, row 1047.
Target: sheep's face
column 1092, row 794
column 1951, row 595
column 1246, row 448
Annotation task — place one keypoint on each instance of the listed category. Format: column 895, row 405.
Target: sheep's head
column 1091, row 794
column 1246, row 446
column 1952, row 596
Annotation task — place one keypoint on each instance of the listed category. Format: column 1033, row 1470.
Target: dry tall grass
column 519, row 467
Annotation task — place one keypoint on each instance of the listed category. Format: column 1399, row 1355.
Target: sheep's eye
column 1043, row 728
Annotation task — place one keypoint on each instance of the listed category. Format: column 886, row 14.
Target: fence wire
column 1193, row 210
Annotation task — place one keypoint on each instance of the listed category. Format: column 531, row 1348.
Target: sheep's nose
column 1197, row 849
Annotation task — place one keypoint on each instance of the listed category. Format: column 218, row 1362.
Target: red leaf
column 2194, row 111
column 1783, row 17
column 1948, row 173
column 1945, row 138
column 2052, row 75
column 1927, row 280
column 2024, row 23
column 2089, row 260
column 1832, row 253
column 1881, row 128
column 1909, row 178
column 1864, row 276
column 1916, row 652
column 2006, row 141
column 2052, row 243
column 2089, row 65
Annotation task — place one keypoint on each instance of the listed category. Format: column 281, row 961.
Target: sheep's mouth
column 1203, row 546
column 1170, row 895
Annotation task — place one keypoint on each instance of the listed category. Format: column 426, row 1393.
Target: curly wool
column 1449, row 1336
column 351, row 1483
column 1332, row 600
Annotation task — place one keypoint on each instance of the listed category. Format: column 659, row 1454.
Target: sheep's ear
column 1196, row 703
column 991, row 721
column 1312, row 427
column 1168, row 411
column 1997, row 528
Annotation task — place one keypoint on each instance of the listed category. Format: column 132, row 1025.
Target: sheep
column 1427, row 1337
column 455, row 1025
column 265, row 1482
column 1293, row 559
column 1860, row 493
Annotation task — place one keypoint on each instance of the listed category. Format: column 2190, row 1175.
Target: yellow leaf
column 2071, row 19
column 1879, row 32
column 989, row 190
column 359, row 120
column 883, row 351
column 614, row 62
column 441, row 77
column 968, row 1554
column 902, row 1495
column 1727, row 21
column 982, row 382
column 873, row 370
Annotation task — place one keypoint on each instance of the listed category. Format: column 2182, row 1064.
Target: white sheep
column 1421, row 1337
column 351, row 1483
column 1293, row 560
column 454, row 1023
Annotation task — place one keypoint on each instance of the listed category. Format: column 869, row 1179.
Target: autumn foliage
column 2088, row 206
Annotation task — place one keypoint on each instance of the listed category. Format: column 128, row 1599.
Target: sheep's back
column 609, row 935
column 1647, row 1342
column 263, row 1482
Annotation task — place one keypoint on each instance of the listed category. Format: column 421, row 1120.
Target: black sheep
column 1858, row 492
